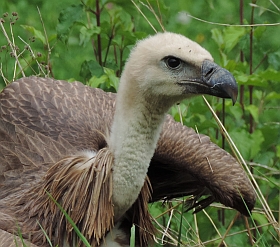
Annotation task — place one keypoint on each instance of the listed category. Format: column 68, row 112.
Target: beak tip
column 234, row 97
column 221, row 82
column 234, row 92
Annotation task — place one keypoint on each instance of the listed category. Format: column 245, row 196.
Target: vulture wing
column 43, row 120
column 186, row 163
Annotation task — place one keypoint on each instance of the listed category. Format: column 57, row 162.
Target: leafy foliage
column 90, row 40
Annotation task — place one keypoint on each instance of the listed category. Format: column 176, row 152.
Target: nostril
column 209, row 73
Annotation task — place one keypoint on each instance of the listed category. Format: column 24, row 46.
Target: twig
column 154, row 13
column 109, row 44
column 260, row 63
column 228, row 229
column 32, row 54
column 168, row 210
column 98, row 24
column 263, row 8
column 196, row 229
column 13, row 49
column 180, row 114
column 233, row 25
column 162, row 232
column 241, row 91
column 167, row 227
column 251, row 120
column 159, row 11
column 145, row 17
column 274, row 5
column 48, row 45
column 248, row 230
column 3, row 76
column 213, row 224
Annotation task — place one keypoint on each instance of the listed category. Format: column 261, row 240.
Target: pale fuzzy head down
column 147, row 73
column 163, row 44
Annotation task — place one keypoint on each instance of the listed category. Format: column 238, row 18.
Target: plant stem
column 251, row 129
column 228, row 229
column 241, row 17
column 221, row 212
column 99, row 47
column 109, row 44
column 121, row 56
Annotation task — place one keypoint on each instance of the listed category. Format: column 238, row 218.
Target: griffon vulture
column 102, row 157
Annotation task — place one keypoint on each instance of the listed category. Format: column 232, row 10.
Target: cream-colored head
column 166, row 68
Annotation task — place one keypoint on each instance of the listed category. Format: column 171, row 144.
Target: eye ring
column 173, row 62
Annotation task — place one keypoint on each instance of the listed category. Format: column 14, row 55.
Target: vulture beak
column 219, row 81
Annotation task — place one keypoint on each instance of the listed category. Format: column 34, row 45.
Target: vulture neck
column 135, row 131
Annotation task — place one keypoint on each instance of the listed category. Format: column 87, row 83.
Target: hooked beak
column 218, row 81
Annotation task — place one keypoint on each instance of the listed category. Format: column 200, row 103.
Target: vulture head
column 165, row 68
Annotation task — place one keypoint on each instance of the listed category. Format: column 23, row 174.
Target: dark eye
column 173, row 62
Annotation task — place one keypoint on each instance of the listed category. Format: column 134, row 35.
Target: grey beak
column 220, row 82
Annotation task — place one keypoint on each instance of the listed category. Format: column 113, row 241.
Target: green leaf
column 248, row 144
column 120, row 19
column 52, row 37
column 256, row 80
column 272, row 180
column 228, row 38
column 86, row 34
column 236, row 111
column 132, row 236
column 270, row 75
column 258, row 31
column 113, row 79
column 253, row 80
column 278, row 151
column 217, row 37
column 261, row 220
column 257, row 139
column 122, row 42
column 127, row 6
column 271, row 135
column 241, row 77
column 96, row 82
column 90, row 68
column 254, row 111
column 272, row 95
column 109, row 79
column 274, row 59
column 232, row 36
column 67, row 18
column 36, row 33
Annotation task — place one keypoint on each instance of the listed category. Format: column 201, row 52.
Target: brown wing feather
column 10, row 240
column 53, row 108
column 196, row 166
column 85, row 194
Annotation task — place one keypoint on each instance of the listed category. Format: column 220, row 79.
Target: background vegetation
column 89, row 41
